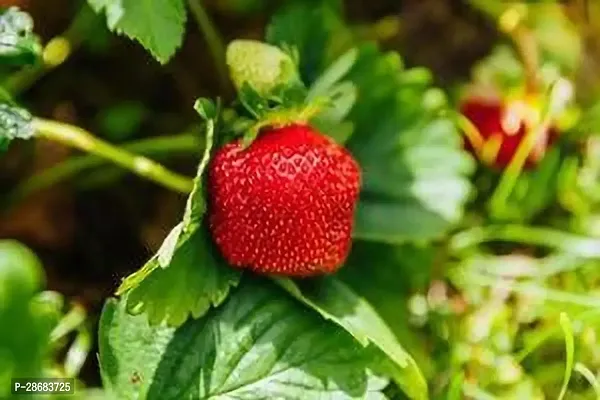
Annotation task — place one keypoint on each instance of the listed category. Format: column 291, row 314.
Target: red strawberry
column 502, row 130
column 285, row 204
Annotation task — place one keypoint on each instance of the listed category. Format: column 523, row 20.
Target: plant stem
column 511, row 22
column 68, row 323
column 534, row 289
column 559, row 95
column 78, row 138
column 55, row 53
column 526, row 45
column 574, row 244
column 155, row 146
column 213, row 40
column 585, row 317
column 513, row 170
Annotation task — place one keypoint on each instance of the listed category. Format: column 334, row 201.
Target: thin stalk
column 534, row 289
column 585, row 317
column 526, row 45
column 512, row 22
column 213, row 40
column 513, row 170
column 69, row 323
column 83, row 140
column 78, row 352
column 574, row 244
column 590, row 377
column 185, row 143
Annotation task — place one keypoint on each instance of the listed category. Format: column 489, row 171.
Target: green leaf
column 206, row 108
column 184, row 278
column 314, row 29
column 567, row 328
column 196, row 205
column 259, row 344
column 158, row 25
column 337, row 302
column 333, row 75
column 15, row 122
column 415, row 172
column 341, row 99
column 289, row 95
column 252, row 101
column 395, row 273
column 18, row 44
column 195, row 280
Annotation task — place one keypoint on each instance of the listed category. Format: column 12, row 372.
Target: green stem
column 56, row 52
column 78, row 138
column 590, row 316
column 533, row 289
column 589, row 376
column 184, row 143
column 68, row 323
column 567, row 242
column 78, row 352
column 511, row 174
column 213, row 40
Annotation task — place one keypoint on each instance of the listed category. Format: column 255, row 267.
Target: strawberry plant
column 335, row 221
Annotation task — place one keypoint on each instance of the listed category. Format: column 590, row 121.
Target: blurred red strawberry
column 500, row 129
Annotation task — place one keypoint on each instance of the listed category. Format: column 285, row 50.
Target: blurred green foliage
column 26, row 323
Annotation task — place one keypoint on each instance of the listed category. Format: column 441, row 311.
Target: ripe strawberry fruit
column 502, row 129
column 285, row 204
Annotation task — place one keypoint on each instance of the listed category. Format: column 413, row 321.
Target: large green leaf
column 158, row 25
column 394, row 274
column 185, row 277
column 337, row 302
column 414, row 169
column 195, row 280
column 259, row 344
column 311, row 28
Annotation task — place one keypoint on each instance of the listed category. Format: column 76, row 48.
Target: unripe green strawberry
column 285, row 204
column 261, row 65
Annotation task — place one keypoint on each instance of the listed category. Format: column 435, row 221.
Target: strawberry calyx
column 279, row 118
column 285, row 104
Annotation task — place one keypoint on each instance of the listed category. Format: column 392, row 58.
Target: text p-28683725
column 43, row 386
